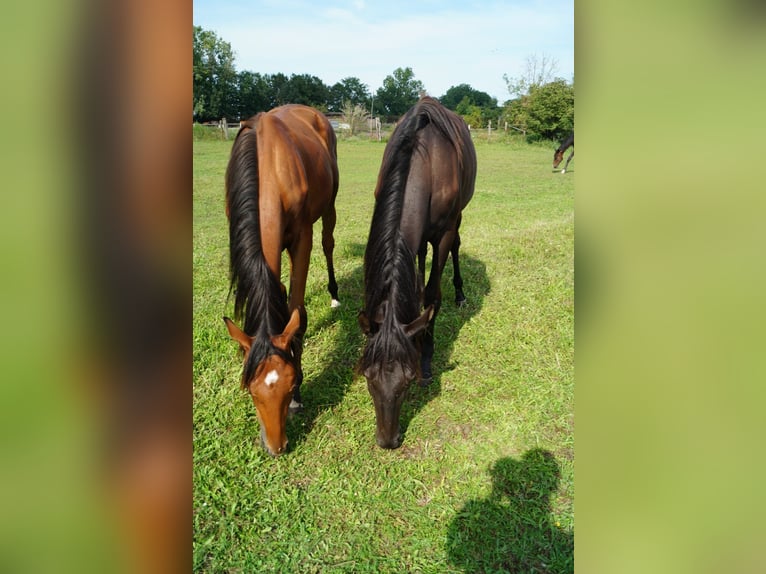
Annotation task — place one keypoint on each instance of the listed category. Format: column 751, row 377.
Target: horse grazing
column 282, row 176
column 426, row 178
column 558, row 155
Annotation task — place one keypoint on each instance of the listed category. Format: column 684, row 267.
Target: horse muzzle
column 389, row 440
column 274, row 452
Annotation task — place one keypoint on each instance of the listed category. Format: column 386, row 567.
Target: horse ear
column 283, row 340
column 238, row 335
column 420, row 323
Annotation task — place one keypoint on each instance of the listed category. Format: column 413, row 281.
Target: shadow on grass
column 512, row 530
column 447, row 328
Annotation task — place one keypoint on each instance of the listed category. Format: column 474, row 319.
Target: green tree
column 456, row 94
column 306, row 89
column 551, row 110
column 399, row 92
column 348, row 90
column 279, row 89
column 214, row 88
column 470, row 112
column 253, row 94
column 485, row 108
column 543, row 106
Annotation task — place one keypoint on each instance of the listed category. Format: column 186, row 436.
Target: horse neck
column 567, row 143
column 389, row 261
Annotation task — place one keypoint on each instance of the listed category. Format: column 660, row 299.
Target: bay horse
column 426, row 178
column 281, row 178
column 558, row 155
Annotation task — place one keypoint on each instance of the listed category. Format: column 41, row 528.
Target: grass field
column 484, row 479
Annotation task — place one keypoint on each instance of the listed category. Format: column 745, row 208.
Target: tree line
column 542, row 106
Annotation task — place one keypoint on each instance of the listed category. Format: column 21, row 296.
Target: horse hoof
column 461, row 302
column 294, row 408
column 426, row 381
column 563, row 171
column 335, row 304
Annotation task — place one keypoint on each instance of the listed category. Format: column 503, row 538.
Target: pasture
column 484, row 480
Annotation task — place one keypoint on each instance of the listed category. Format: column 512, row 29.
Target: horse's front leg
column 300, row 255
column 422, row 252
column 433, row 296
column 566, row 165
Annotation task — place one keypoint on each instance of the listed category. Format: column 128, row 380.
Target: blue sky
column 445, row 42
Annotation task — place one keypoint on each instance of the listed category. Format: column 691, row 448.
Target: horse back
column 298, row 161
column 439, row 185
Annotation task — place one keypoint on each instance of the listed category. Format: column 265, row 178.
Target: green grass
column 484, row 479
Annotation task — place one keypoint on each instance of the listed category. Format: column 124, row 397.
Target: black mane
column 389, row 264
column 259, row 297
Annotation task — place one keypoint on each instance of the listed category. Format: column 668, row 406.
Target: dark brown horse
column 426, row 179
column 282, row 177
column 558, row 155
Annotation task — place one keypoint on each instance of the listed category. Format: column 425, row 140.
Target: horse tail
column 254, row 285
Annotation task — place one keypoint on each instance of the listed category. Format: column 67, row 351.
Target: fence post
column 225, row 128
column 489, row 129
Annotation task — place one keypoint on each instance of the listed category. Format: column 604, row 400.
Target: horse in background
column 281, row 178
column 558, row 155
column 426, row 179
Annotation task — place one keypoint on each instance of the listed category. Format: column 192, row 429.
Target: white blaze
column 271, row 378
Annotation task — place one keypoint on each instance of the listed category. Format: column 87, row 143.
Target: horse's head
column 272, row 383
column 558, row 155
column 387, row 377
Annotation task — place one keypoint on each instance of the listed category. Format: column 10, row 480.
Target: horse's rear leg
column 457, row 278
column 328, row 245
column 422, row 252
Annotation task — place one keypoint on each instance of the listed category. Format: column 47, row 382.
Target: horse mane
column 389, row 263
column 258, row 294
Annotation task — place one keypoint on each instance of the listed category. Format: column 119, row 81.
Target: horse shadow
column 512, row 530
column 447, row 328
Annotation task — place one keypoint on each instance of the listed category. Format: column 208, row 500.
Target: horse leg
column 300, row 254
column 433, row 296
column 328, row 245
column 457, row 278
column 296, row 404
column 422, row 270
column 566, row 165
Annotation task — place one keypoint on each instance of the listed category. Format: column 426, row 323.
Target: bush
column 205, row 132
